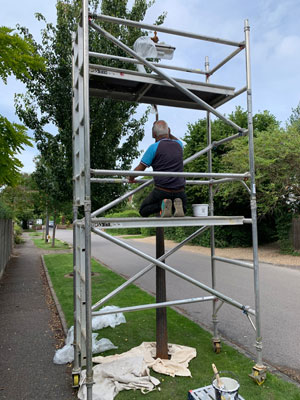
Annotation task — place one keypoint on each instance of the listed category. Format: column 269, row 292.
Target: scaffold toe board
column 126, row 85
column 112, row 223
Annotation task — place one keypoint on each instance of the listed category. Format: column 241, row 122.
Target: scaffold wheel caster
column 258, row 375
column 217, row 347
column 75, row 378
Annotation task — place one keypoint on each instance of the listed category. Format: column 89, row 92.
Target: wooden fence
column 295, row 233
column 6, row 242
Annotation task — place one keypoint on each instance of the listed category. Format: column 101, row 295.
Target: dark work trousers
column 152, row 203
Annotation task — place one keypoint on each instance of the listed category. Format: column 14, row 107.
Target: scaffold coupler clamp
column 245, row 310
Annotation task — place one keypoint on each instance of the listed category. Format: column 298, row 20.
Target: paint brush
column 219, row 381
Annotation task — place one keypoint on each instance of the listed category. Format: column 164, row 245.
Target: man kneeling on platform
column 166, row 154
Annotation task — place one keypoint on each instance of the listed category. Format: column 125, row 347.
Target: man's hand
column 140, row 167
column 131, row 179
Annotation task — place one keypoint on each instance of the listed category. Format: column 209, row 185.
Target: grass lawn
column 35, row 234
column 140, row 327
column 59, row 245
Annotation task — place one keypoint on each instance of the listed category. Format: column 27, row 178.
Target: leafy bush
column 283, row 225
column 225, row 236
column 148, row 231
column 5, row 211
column 125, row 231
column 18, row 234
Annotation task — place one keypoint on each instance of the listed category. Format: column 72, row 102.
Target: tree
column 294, row 119
column 196, row 139
column 12, row 140
column 21, row 199
column 51, row 200
column 277, row 154
column 17, row 57
column 230, row 198
column 114, row 132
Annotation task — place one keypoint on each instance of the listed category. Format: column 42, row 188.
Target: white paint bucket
column 229, row 391
column 200, row 210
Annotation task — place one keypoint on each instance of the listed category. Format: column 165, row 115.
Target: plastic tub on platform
column 200, row 210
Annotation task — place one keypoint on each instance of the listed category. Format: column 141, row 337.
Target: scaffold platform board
column 127, row 85
column 113, row 223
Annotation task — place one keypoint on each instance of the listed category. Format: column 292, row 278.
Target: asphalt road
column 279, row 291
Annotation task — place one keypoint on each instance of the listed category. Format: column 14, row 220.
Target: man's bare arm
column 140, row 167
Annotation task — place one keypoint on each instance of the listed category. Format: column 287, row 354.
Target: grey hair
column 160, row 128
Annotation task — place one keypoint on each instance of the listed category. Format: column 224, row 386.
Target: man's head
column 160, row 129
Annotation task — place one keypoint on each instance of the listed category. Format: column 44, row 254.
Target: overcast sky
column 275, row 53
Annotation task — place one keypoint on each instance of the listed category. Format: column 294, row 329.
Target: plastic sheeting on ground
column 120, row 374
column 112, row 320
column 180, row 356
column 66, row 354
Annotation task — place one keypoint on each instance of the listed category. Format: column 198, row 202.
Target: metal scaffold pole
column 216, row 340
column 76, row 306
column 87, row 203
column 259, row 367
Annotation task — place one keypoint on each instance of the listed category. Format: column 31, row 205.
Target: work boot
column 166, row 208
column 178, row 208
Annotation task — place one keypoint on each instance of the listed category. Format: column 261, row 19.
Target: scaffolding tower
column 160, row 89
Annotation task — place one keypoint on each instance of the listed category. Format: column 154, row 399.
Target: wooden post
column 47, row 227
column 161, row 313
column 296, row 233
column 53, row 229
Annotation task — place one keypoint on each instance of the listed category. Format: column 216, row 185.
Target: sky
column 275, row 54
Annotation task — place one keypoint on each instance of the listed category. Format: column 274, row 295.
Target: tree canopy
column 114, row 130
column 21, row 199
column 13, row 138
column 18, row 57
column 196, row 139
column 275, row 150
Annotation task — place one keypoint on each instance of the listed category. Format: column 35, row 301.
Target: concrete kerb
column 55, row 299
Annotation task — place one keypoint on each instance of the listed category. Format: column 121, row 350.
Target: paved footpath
column 27, row 343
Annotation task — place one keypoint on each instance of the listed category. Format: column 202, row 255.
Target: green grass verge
column 59, row 245
column 140, row 327
column 35, row 234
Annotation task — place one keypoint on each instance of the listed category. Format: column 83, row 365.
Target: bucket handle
column 227, row 372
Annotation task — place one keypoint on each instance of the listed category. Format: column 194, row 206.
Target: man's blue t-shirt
column 166, row 155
